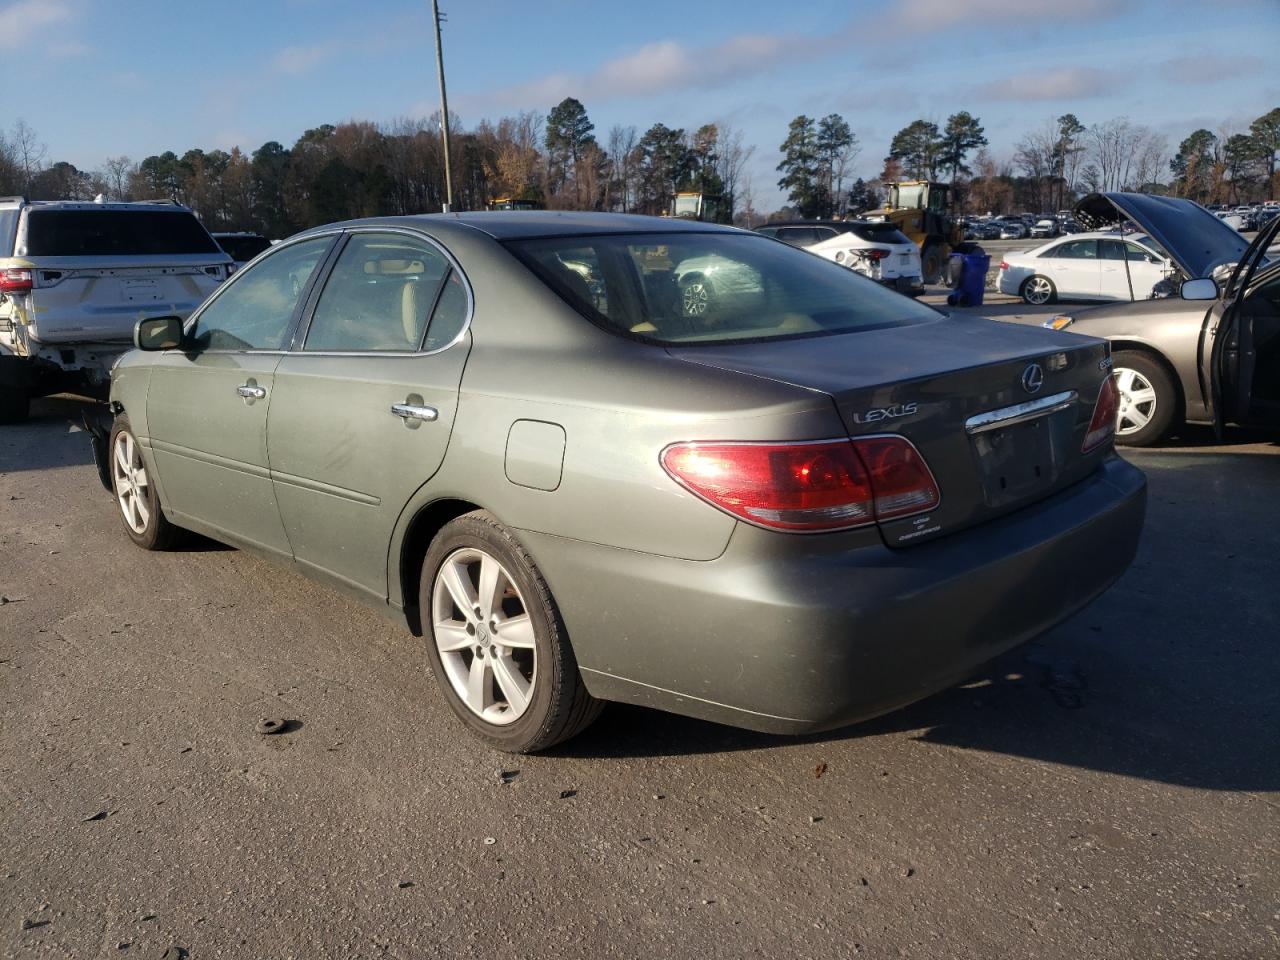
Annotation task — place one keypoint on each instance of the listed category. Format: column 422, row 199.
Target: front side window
column 379, row 296
column 254, row 311
column 711, row 287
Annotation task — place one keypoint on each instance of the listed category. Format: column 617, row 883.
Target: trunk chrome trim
column 1019, row 412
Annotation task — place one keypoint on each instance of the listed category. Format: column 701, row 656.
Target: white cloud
column 1064, row 83
column 296, row 61
column 931, row 16
column 19, row 21
column 1210, row 68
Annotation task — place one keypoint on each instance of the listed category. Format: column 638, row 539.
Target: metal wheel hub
column 695, row 299
column 1138, row 401
column 484, row 636
column 129, row 475
column 1038, row 290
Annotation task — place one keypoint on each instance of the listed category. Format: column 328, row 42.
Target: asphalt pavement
column 1110, row 790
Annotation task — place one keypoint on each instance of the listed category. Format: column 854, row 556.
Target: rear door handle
column 414, row 411
column 251, row 391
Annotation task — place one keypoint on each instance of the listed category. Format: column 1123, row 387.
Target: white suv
column 74, row 279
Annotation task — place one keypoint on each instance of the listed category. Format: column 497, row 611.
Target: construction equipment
column 508, row 203
column 707, row 207
column 922, row 209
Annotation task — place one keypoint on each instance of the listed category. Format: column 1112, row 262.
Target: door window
column 1076, row 250
column 380, row 295
column 1115, row 250
column 798, row 236
column 254, row 311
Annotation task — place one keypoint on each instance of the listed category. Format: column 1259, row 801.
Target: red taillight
column 1004, row 265
column 1103, row 425
column 828, row 485
column 15, row 280
column 875, row 253
column 901, row 480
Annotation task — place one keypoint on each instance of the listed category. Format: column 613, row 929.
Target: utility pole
column 444, row 107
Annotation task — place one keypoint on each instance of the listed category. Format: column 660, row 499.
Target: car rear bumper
column 790, row 634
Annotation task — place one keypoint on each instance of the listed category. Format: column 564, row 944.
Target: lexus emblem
column 1033, row 378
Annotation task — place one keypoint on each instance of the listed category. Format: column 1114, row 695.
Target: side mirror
column 1203, row 289
column 158, row 333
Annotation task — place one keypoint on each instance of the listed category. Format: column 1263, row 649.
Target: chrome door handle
column 414, row 411
column 251, row 391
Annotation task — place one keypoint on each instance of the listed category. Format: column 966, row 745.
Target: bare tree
column 116, row 172
column 732, row 159
column 1121, row 150
column 28, row 150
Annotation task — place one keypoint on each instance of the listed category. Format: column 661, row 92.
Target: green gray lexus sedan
column 593, row 457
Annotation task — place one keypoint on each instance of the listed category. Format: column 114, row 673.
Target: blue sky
column 99, row 78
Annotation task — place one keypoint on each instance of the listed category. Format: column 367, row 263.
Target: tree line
column 358, row 168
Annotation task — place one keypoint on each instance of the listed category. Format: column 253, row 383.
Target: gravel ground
column 1107, row 791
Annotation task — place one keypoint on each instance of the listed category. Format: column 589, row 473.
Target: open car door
column 1241, row 382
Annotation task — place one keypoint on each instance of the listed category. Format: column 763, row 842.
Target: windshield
column 242, row 248
column 879, row 232
column 115, row 233
column 712, row 287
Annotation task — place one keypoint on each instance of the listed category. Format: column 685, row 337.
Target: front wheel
column 1148, row 399
column 695, row 297
column 1038, row 290
column 496, row 642
column 136, row 494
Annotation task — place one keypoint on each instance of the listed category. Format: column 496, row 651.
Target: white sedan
column 885, row 255
column 1085, row 266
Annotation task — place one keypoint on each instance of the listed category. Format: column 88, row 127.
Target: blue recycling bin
column 971, row 285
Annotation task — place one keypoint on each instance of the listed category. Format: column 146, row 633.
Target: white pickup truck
column 74, row 279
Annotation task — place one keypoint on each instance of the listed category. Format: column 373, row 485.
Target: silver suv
column 74, row 279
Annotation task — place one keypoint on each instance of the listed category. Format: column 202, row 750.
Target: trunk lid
column 955, row 389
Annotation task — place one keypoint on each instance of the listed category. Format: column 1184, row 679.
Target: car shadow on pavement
column 1171, row 676
column 70, row 449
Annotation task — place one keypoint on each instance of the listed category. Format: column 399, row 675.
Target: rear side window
column 1076, row 250
column 115, row 233
column 379, row 296
column 711, row 287
column 8, row 226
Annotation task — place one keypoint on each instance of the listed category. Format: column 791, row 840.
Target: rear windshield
column 712, row 287
column 242, row 249
column 115, row 233
column 878, row 232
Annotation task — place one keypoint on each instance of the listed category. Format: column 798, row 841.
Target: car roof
column 169, row 206
column 527, row 224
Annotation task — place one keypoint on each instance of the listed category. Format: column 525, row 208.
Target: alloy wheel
column 1037, row 291
column 484, row 635
column 1138, row 401
column 129, row 474
column 695, row 299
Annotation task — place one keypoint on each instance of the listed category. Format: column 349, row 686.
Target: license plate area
column 1022, row 460
column 139, row 290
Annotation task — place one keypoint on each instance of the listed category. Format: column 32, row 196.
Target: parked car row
column 873, row 248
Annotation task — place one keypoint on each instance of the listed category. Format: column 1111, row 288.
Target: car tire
column 1038, row 290
column 507, row 669
column 932, row 262
column 1148, row 398
column 135, row 494
column 696, row 297
column 15, row 404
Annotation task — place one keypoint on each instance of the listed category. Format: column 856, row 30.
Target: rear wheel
column 932, row 261
column 1038, row 290
column 136, row 494
column 15, row 404
column 1148, row 399
column 496, row 642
